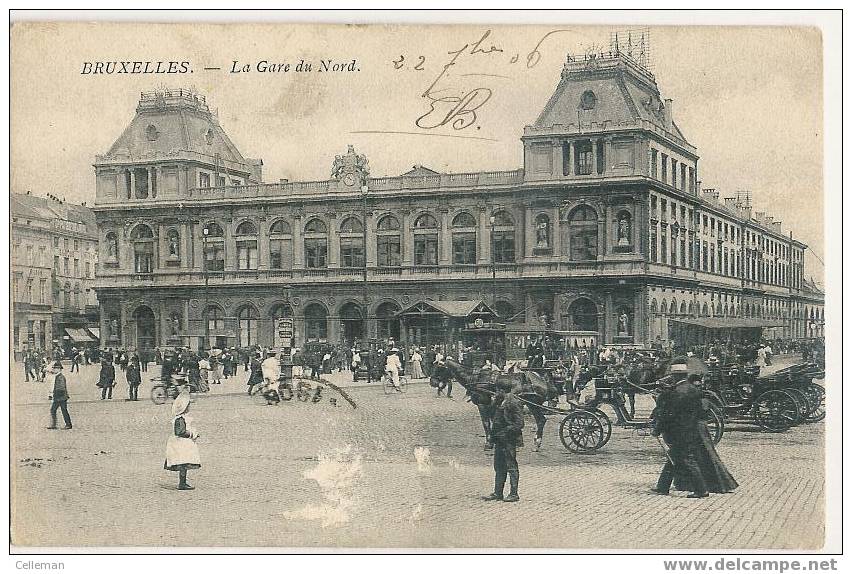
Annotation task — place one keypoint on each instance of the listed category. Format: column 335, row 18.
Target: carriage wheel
column 776, row 411
column 607, row 424
column 583, row 431
column 801, row 401
column 716, row 424
column 816, row 401
column 158, row 394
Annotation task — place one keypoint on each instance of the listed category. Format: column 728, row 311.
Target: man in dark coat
column 59, row 397
column 677, row 416
column 256, row 376
column 107, row 377
column 134, row 378
column 506, row 433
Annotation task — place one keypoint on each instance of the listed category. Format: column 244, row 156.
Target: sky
column 749, row 98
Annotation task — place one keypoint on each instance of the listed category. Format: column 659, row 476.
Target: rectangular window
column 42, row 291
column 88, row 270
column 464, row 248
column 682, row 251
column 352, row 252
column 654, row 206
column 712, row 260
column 143, row 257
column 654, row 243
column 704, row 257
column 674, row 250
column 696, row 250
column 663, row 245
column 67, row 266
column 220, row 181
column 654, row 163
column 204, row 180
column 280, row 254
column 664, row 164
column 76, row 245
column 692, row 180
column 316, row 251
column 725, row 268
column 503, row 248
column 683, row 177
column 583, row 163
column 388, row 251
column 29, row 259
column 426, row 249
column 56, row 264
column 215, row 256
column 56, row 242
column 663, row 209
column 674, row 172
column 247, row 254
column 76, row 268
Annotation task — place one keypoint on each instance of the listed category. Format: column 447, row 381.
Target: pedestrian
column 768, row 354
column 416, row 362
column 216, row 367
column 507, row 434
column 28, row 366
column 76, row 359
column 106, row 381
column 392, row 368
column 676, row 418
column 256, row 376
column 204, row 369
column 134, row 378
column 181, row 451
column 144, row 358
column 59, row 397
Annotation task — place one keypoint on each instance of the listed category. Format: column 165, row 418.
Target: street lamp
column 205, row 232
column 365, row 334
column 492, row 220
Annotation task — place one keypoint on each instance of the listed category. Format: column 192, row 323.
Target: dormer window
column 208, row 136
column 152, row 133
column 588, row 100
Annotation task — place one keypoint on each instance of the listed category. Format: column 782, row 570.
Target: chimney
column 283, row 180
column 668, row 113
column 731, row 203
column 760, row 216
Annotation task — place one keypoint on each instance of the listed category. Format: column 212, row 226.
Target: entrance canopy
column 729, row 323
column 477, row 309
column 80, row 336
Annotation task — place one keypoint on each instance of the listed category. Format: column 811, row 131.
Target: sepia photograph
column 377, row 285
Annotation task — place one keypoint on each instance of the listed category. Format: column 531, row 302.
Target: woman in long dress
column 416, row 364
column 181, row 450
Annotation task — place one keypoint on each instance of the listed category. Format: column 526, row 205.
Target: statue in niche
column 174, row 245
column 113, row 329
column 624, row 230
column 112, row 248
column 175, row 325
column 623, row 324
column 542, row 234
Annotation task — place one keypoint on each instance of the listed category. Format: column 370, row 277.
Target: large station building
column 605, row 233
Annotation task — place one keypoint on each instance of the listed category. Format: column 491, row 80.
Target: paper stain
column 424, row 459
column 336, row 474
column 416, row 514
column 453, row 464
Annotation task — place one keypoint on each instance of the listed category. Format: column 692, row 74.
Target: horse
column 642, row 376
column 530, row 387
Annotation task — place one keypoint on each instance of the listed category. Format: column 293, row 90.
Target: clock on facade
column 349, row 179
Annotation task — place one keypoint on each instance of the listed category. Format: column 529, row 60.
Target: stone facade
column 605, row 232
column 53, row 259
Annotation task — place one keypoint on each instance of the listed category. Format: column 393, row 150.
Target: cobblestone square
column 399, row 471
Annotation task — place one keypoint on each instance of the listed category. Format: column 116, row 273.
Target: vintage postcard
column 431, row 287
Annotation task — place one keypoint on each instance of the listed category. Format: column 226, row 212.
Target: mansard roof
column 622, row 93
column 171, row 123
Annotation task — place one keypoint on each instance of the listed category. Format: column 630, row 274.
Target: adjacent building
column 54, row 255
column 605, row 233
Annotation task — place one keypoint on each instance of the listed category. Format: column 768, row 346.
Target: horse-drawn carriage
column 775, row 403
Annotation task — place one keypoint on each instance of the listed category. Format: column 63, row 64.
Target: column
column 102, row 320
column 607, row 157
column 407, row 239
column 607, row 322
column 263, row 245
column 162, row 248
column 529, row 232
column 333, row 243
column 483, row 239
column 230, row 247
column 186, row 245
column 555, row 232
column 150, row 182
column 370, row 248
column 124, row 327
column 639, row 162
column 187, row 339
column 132, row 184
column 298, row 244
column 127, row 178
column 608, row 234
column 573, row 159
column 557, row 159
column 603, row 220
column 640, row 329
column 165, row 333
column 557, row 311
column 594, row 157
column 445, row 238
column 197, row 245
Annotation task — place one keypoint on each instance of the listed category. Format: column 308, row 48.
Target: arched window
column 351, row 323
column 664, row 308
column 316, row 322
column 542, row 232
column 246, row 245
column 173, row 244
column 425, row 240
column 215, row 318
column 388, row 324
column 582, row 316
column 705, row 312
column 213, row 237
column 388, row 242
column 316, row 244
column 583, row 230
column 247, row 326
column 683, row 307
column 654, row 308
column 352, row 243
column 143, row 249
column 111, row 244
column 464, row 239
column 502, row 238
column 280, row 245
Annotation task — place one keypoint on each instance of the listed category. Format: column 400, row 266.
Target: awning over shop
column 454, row 309
column 729, row 323
column 95, row 332
column 80, row 336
